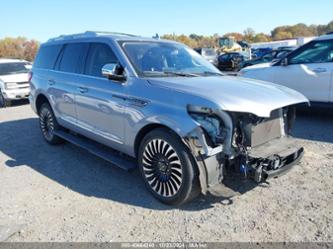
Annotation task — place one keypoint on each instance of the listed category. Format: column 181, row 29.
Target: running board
column 99, row 150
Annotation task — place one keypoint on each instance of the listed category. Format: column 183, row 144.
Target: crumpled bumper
column 274, row 158
column 262, row 162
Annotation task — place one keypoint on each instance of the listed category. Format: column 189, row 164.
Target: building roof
column 5, row 60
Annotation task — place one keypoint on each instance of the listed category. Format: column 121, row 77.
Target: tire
column 168, row 168
column 48, row 124
column 3, row 102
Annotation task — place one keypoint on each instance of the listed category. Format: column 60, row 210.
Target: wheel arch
column 145, row 130
column 40, row 100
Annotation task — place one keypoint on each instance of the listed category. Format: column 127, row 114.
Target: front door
column 100, row 102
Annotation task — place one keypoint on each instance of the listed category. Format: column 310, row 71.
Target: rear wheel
column 48, row 124
column 168, row 168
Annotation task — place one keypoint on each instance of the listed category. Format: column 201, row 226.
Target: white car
column 14, row 80
column 308, row 70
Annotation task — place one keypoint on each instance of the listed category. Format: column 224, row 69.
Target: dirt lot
column 66, row 194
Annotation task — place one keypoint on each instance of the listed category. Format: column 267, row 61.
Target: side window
column 47, row 56
column 73, row 57
column 99, row 55
column 314, row 52
column 268, row 57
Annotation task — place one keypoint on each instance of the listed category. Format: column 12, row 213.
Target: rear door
column 100, row 102
column 65, row 80
column 309, row 70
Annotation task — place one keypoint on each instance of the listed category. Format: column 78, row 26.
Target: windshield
column 13, row 68
column 167, row 59
column 226, row 42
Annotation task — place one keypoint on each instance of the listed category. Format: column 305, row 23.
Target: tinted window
column 314, row 52
column 73, row 57
column 99, row 55
column 13, row 68
column 281, row 54
column 268, row 56
column 47, row 56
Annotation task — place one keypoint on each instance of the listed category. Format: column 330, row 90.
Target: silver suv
column 159, row 106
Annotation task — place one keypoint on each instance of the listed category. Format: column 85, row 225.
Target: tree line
column 250, row 36
column 22, row 48
column 18, row 48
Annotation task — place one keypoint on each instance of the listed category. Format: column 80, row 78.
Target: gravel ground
column 62, row 193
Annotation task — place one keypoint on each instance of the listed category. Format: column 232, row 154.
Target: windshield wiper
column 182, row 74
column 212, row 73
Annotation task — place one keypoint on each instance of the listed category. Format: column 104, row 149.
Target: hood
column 258, row 66
column 234, row 93
column 21, row 77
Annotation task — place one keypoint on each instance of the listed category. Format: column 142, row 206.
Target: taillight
column 29, row 76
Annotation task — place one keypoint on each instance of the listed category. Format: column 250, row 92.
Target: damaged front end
column 257, row 148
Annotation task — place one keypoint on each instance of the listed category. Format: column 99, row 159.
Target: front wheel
column 168, row 168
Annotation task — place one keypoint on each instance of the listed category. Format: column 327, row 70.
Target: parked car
column 231, row 61
column 209, row 54
column 14, row 82
column 307, row 69
column 268, row 57
column 163, row 108
column 259, row 52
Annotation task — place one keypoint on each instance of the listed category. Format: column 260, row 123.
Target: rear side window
column 73, row 57
column 99, row 55
column 46, row 57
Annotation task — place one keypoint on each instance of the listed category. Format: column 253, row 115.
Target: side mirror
column 284, row 62
column 114, row 71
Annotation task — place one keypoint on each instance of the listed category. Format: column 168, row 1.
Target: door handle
column 82, row 89
column 319, row 70
column 51, row 82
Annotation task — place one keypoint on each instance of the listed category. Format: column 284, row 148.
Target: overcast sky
column 42, row 19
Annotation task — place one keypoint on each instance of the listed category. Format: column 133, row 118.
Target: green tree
column 282, row 35
column 237, row 36
column 249, row 35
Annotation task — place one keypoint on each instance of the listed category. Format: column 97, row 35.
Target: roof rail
column 87, row 34
column 110, row 33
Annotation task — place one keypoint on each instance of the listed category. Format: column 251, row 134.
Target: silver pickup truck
column 159, row 106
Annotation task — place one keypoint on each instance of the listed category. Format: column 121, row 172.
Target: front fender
column 178, row 121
